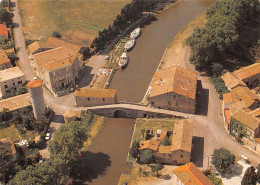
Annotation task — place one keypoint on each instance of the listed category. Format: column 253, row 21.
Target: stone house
column 11, row 78
column 231, row 81
column 56, row 62
column 175, row 89
column 243, row 121
column 178, row 152
column 189, row 174
column 5, row 62
column 86, row 97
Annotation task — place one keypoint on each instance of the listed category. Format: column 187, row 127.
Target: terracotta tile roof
column 227, row 113
column 244, row 93
column 70, row 114
column 237, row 105
column 34, row 83
column 56, row 42
column 10, row 73
column 164, row 149
column 248, row 71
column 3, row 30
column 231, row 80
column 163, row 134
column 257, row 140
column 255, row 113
column 149, row 144
column 37, row 45
column 182, row 135
column 175, row 79
column 227, row 98
column 246, row 119
column 190, row 175
column 3, row 57
column 16, row 102
column 96, row 93
column 55, row 58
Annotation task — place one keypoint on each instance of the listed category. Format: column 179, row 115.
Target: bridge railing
column 131, row 103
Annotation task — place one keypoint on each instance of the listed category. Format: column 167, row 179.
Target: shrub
column 56, row 34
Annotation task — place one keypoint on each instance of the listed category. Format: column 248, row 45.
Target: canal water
column 133, row 82
column 106, row 158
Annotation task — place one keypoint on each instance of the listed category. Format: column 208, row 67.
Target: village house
column 175, row 89
column 243, row 123
column 10, row 78
column 16, row 102
column 5, row 62
column 58, row 63
column 92, row 97
column 189, row 174
column 178, row 152
column 4, row 31
column 242, row 77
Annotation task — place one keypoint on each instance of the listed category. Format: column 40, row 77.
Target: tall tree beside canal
column 230, row 31
column 130, row 13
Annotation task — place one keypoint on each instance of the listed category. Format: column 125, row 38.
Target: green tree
column 217, row 69
column 4, row 15
column 166, row 141
column 22, row 90
column 214, row 179
column 147, row 156
column 156, row 168
column 56, row 34
column 222, row 159
column 249, row 177
column 134, row 150
column 143, row 132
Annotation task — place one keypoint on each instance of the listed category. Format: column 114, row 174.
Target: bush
column 249, row 177
column 56, row 34
column 147, row 156
column 219, row 86
column 134, row 150
column 217, row 69
column 165, row 141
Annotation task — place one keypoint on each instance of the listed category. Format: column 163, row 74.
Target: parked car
column 48, row 136
column 107, row 57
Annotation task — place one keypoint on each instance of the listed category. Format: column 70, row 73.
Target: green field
column 76, row 20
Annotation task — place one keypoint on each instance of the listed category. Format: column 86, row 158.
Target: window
column 20, row 82
column 181, row 156
column 170, row 155
column 54, row 73
column 88, row 99
column 152, row 103
column 173, row 96
column 67, row 69
column 6, row 86
column 13, row 83
column 163, row 155
column 103, row 99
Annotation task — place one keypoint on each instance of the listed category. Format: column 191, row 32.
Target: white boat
column 130, row 44
column 123, row 60
column 134, row 34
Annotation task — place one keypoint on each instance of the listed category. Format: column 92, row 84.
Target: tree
column 4, row 15
column 143, row 131
column 217, row 69
column 134, row 150
column 214, row 179
column 165, row 141
column 249, row 177
column 147, row 156
column 258, row 173
column 56, row 34
column 222, row 159
column 156, row 168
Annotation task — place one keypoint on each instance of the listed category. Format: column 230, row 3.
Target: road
column 211, row 127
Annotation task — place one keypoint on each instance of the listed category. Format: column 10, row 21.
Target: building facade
column 11, row 78
column 86, row 97
column 175, row 89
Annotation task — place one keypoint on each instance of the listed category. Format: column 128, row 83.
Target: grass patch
column 75, row 20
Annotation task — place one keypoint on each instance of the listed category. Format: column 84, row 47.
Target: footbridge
column 131, row 110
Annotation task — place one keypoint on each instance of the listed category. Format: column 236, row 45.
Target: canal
column 106, row 158
column 133, row 82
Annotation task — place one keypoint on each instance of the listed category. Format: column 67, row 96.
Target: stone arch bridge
column 132, row 110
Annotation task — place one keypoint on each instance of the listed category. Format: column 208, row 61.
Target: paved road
column 211, row 127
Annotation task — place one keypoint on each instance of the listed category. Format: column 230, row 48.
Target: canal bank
column 132, row 83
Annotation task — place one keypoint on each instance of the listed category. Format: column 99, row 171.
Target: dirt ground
column 78, row 21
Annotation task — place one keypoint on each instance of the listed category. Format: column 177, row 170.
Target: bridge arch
column 120, row 114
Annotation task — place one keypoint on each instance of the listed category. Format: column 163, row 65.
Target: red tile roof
column 190, row 175
column 3, row 30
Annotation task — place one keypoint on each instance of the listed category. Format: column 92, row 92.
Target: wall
column 175, row 102
column 5, row 66
column 11, row 83
column 176, row 155
column 86, row 101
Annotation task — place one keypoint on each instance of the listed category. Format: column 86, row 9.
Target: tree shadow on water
column 91, row 166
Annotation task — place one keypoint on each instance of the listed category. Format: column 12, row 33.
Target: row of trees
column 130, row 13
column 5, row 17
column 63, row 154
column 230, row 31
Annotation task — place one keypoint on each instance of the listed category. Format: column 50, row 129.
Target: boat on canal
column 123, row 60
column 134, row 34
column 130, row 44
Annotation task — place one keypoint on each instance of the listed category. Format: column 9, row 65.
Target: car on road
column 107, row 57
column 48, row 136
